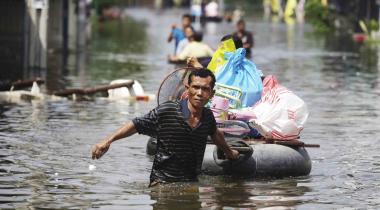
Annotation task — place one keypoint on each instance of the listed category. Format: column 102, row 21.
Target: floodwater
column 45, row 145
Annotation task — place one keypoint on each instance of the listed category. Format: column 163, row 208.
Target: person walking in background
column 178, row 34
column 245, row 36
column 196, row 10
column 189, row 33
column 212, row 9
column 195, row 48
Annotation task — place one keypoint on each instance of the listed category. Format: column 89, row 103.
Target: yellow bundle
column 218, row 58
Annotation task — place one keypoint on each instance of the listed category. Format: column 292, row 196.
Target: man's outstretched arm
column 220, row 142
column 102, row 147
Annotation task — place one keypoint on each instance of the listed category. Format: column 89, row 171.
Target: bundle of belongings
column 244, row 105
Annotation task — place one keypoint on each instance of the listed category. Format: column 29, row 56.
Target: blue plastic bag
column 241, row 73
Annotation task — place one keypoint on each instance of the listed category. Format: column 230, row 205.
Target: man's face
column 200, row 91
column 241, row 27
column 186, row 22
column 188, row 32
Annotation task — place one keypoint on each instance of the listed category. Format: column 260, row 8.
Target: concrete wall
column 23, row 38
column 35, row 31
column 12, row 30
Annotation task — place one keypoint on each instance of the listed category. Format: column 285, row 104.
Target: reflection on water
column 120, row 36
column 45, row 145
column 227, row 192
column 118, row 49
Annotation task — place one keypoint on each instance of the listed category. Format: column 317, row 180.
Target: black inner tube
column 242, row 147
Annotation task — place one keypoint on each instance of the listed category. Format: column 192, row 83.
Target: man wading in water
column 181, row 129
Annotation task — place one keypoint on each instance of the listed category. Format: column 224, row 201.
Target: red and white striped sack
column 280, row 114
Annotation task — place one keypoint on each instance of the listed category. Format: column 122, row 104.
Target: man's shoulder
column 208, row 113
column 199, row 45
column 248, row 33
column 194, row 44
column 184, row 42
column 204, row 44
column 168, row 105
column 177, row 33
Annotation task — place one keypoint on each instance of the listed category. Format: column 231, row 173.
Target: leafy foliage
column 318, row 15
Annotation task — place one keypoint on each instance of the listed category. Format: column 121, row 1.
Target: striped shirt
column 180, row 148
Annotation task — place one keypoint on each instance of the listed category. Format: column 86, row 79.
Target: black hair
column 238, row 43
column 191, row 27
column 225, row 37
column 198, row 36
column 186, row 16
column 203, row 73
column 241, row 21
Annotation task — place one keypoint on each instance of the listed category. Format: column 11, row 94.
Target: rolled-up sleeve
column 147, row 124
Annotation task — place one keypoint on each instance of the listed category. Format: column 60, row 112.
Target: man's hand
column 100, row 149
column 233, row 155
column 170, row 37
column 246, row 45
column 220, row 142
column 193, row 62
column 172, row 58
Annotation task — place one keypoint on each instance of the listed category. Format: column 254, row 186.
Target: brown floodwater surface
column 45, row 145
